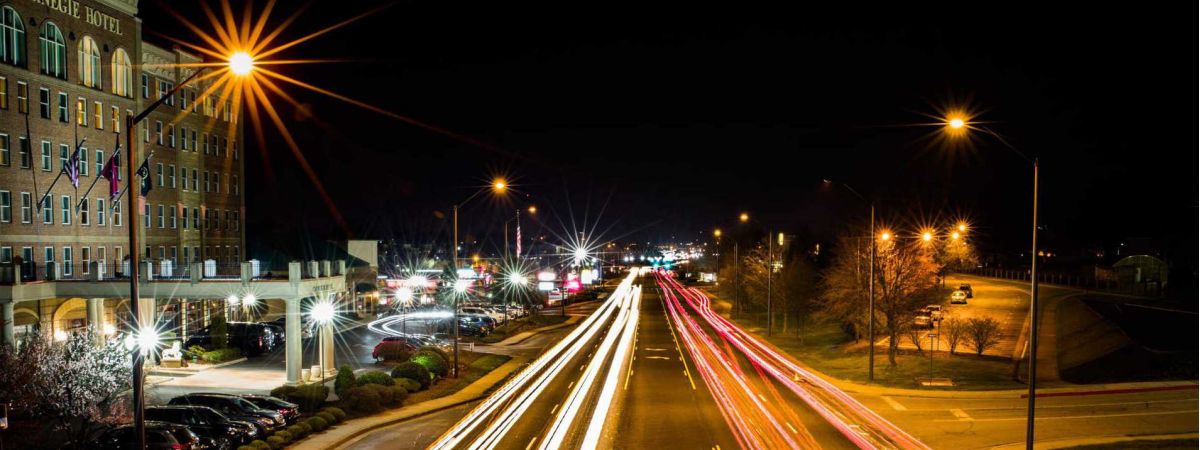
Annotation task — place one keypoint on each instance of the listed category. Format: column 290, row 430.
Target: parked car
column 290, row 411
column 958, row 298
column 934, row 311
column 922, row 320
column 159, row 436
column 236, row 408
column 252, row 338
column 481, row 311
column 206, row 423
column 473, row 326
column 305, row 326
column 277, row 332
column 967, row 288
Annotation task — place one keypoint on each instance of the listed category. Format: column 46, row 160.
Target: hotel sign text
column 90, row 15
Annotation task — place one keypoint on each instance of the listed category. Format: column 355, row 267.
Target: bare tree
column 916, row 335
column 955, row 331
column 983, row 333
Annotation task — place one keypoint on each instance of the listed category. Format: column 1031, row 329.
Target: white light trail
column 619, row 361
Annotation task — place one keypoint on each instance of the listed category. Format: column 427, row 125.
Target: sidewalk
column 341, row 434
column 522, row 336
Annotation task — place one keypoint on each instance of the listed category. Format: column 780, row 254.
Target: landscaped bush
column 219, row 332
column 434, row 361
column 413, row 371
column 363, row 399
column 389, row 395
column 305, row 427
column 194, row 350
column 245, row 447
column 259, row 444
column 394, row 352
column 329, row 419
column 221, row 355
column 439, row 351
column 276, row 442
column 337, row 413
column 287, row 437
column 375, row 377
column 317, row 423
column 310, row 397
column 297, row 431
column 283, row 392
column 345, row 380
column 409, row 384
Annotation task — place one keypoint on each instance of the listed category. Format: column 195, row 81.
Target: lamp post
column 957, row 125
column 322, row 314
column 870, row 285
column 240, row 64
column 498, row 186
column 717, row 255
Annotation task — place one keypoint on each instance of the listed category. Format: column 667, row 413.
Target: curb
column 1079, row 442
column 570, row 321
column 188, row 373
column 1182, row 387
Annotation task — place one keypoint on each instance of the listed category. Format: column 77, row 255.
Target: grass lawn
column 476, row 366
column 826, row 348
column 517, row 326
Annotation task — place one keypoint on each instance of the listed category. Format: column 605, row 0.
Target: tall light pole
column 957, row 125
column 498, row 186
column 239, row 64
column 870, row 287
column 717, row 254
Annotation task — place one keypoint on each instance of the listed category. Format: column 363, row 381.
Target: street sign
column 932, row 335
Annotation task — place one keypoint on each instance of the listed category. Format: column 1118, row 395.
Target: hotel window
column 23, row 97
column 6, row 254
column 207, row 187
column 12, row 37
column 237, row 221
column 183, row 140
column 162, row 216
column 195, row 181
column 205, row 136
column 184, row 218
column 162, row 253
column 46, row 161
column 236, row 188
column 101, row 258
column 117, row 215
column 100, row 216
column 171, row 136
column 84, row 216
column 116, row 119
column 49, row 254
column 68, row 260
column 196, row 218
column 23, row 151
column 173, row 254
column 100, row 162
column 5, row 206
column 225, row 145
column 227, row 109
column 196, row 252
column 83, row 161
column 186, row 254
column 146, row 216
column 54, row 51
column 217, row 182
column 145, row 86
column 122, row 73
column 64, row 152
column 26, row 207
column 64, row 205
column 235, row 150
column 89, row 63
column 47, row 211
column 3, row 92
column 171, row 175
column 158, row 170
column 98, row 112
column 44, row 103
column 5, row 154
column 216, row 150
column 85, row 259
column 158, row 131
column 194, row 147
column 183, row 99
column 146, row 131
column 173, row 214
column 81, row 113
column 63, row 107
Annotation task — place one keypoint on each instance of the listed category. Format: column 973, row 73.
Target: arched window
column 89, row 63
column 54, row 51
column 122, row 73
column 12, row 37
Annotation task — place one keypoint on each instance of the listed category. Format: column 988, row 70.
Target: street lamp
column 240, row 64
column 498, row 186
column 870, row 285
column 322, row 315
column 957, row 125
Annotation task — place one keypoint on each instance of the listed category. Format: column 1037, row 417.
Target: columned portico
column 8, row 337
column 95, row 318
column 293, row 340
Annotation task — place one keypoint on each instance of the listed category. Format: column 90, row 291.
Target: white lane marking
column 658, row 357
column 893, row 403
column 998, row 419
column 790, row 427
column 960, row 414
column 555, row 409
column 531, row 442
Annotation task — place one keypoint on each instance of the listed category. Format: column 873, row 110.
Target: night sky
column 672, row 119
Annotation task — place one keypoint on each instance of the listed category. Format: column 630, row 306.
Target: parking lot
column 1007, row 304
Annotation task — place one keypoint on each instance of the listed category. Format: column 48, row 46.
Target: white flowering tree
column 67, row 388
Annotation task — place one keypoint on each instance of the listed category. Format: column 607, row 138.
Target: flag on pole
column 111, row 171
column 518, row 240
column 144, row 172
column 72, row 167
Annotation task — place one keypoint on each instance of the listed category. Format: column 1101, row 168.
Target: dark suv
column 290, row 411
column 967, row 288
column 159, row 436
column 252, row 338
column 236, row 408
column 206, row 422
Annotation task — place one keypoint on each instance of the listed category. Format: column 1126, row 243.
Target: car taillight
column 176, row 446
column 283, row 412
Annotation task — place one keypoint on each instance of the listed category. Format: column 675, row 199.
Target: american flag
column 72, row 167
column 518, row 240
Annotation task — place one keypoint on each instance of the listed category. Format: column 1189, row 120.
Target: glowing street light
column 322, row 314
column 499, row 185
column 717, row 233
column 885, row 236
column 461, row 286
column 926, row 236
column 517, row 279
column 249, row 300
column 241, row 63
column 744, row 217
column 955, row 235
column 533, row 209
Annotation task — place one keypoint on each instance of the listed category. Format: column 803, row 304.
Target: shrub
column 413, row 371
column 317, row 423
column 329, row 419
column 259, row 444
column 276, row 442
column 345, row 380
column 375, row 377
column 409, row 384
column 196, row 351
column 221, row 355
column 389, row 395
column 337, row 413
column 432, row 361
column 219, row 331
column 394, row 352
column 363, row 399
column 439, row 351
column 245, row 447
column 287, row 437
column 305, row 427
column 283, row 392
column 310, row 397
column 297, row 431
